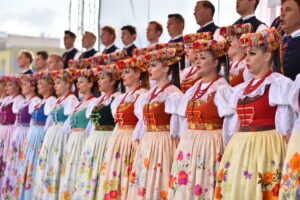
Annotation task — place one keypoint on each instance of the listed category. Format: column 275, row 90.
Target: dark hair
column 297, row 1
column 70, row 33
column 208, row 5
column 130, row 29
column 178, row 18
column 256, row 4
column 158, row 26
column 27, row 54
column 111, row 30
column 117, row 82
column 144, row 78
column 43, row 54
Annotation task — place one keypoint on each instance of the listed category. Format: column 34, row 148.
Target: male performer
column 71, row 52
column 88, row 42
column 204, row 12
column 108, row 37
column 175, row 26
column 128, row 38
column 290, row 49
column 41, row 61
column 246, row 9
column 25, row 59
column 154, row 31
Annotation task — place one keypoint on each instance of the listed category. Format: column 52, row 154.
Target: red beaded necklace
column 199, row 92
column 250, row 88
column 153, row 95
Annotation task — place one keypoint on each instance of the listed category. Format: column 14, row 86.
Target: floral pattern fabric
column 251, row 166
column 89, row 170
column 290, row 181
column 117, row 165
column 195, row 165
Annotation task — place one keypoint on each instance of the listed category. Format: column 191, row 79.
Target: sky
column 51, row 18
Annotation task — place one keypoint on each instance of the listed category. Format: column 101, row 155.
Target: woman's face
column 206, row 63
column 12, row 88
column 157, row 70
column 84, row 85
column 130, row 77
column 191, row 55
column 61, row 87
column 27, row 88
column 105, row 83
column 256, row 60
column 44, row 87
column 234, row 48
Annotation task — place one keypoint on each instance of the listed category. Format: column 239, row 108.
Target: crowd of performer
column 208, row 115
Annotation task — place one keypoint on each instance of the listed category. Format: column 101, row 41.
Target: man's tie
column 283, row 50
column 104, row 51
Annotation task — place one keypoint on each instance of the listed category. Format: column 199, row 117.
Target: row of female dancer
column 211, row 141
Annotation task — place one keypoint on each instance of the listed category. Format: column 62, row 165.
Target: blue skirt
column 27, row 170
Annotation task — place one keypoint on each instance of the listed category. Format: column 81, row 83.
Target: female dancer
column 157, row 110
column 290, row 181
column 7, row 119
column 189, row 76
column 201, row 145
column 252, row 162
column 119, row 155
column 22, row 109
column 27, row 169
column 238, row 71
column 78, row 123
column 50, row 159
column 99, row 111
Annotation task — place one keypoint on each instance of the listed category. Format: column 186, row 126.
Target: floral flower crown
column 114, row 70
column 15, row 79
column 103, row 59
column 178, row 46
column 87, row 73
column 219, row 48
column 66, row 74
column 269, row 38
column 44, row 75
column 237, row 29
column 168, row 55
column 29, row 77
column 189, row 38
column 137, row 62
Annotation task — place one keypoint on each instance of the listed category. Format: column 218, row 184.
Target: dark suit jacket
column 130, row 49
column 112, row 49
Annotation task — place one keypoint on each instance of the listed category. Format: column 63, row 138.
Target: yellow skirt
column 290, row 181
column 195, row 165
column 251, row 166
column 117, row 165
column 149, row 179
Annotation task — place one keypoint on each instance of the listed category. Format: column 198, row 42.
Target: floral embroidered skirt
column 251, row 166
column 27, row 169
column 117, row 166
column 70, row 164
column 49, row 167
column 290, row 182
column 88, row 175
column 149, row 179
column 6, row 132
column 16, row 154
column 195, row 165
